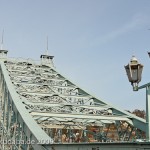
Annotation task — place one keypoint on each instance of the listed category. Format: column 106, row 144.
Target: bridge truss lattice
column 39, row 107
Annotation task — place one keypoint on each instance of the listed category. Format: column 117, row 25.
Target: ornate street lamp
column 134, row 73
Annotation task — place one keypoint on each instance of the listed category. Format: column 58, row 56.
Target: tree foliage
column 139, row 113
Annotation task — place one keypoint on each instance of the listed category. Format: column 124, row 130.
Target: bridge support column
column 148, row 113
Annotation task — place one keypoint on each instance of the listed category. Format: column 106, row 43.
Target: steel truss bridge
column 41, row 109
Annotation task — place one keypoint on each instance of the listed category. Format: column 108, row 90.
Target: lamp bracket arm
column 144, row 86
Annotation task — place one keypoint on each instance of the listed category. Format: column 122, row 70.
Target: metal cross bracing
column 39, row 104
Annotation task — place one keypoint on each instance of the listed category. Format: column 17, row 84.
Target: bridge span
column 43, row 110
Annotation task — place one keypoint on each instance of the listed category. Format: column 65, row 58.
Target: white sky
column 91, row 40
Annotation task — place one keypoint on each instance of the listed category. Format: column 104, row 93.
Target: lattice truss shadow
column 64, row 111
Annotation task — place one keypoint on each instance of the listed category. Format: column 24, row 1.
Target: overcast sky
column 91, row 40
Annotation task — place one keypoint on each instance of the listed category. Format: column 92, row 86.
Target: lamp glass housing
column 134, row 72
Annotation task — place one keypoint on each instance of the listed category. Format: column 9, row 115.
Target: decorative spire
column 2, row 40
column 47, row 60
column 47, row 46
column 3, row 52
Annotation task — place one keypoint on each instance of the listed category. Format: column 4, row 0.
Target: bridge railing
column 29, row 60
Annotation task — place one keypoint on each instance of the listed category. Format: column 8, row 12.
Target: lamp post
column 134, row 73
